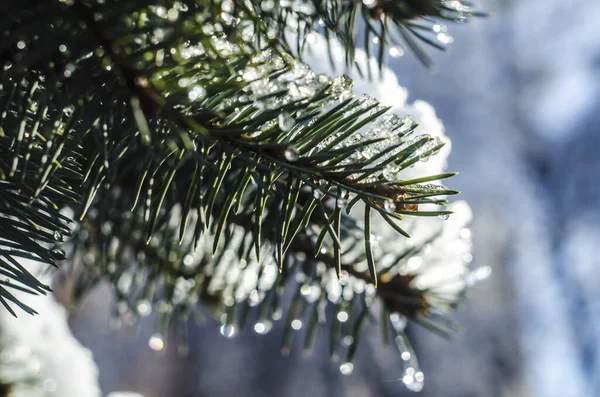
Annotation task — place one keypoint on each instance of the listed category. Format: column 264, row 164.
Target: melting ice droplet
column 479, row 274
column 346, row 368
column 396, row 52
column 196, row 93
column 286, row 122
column 156, row 342
column 58, row 236
column 229, row 331
column 389, row 206
column 297, row 324
column 144, row 307
column 291, row 154
column 262, row 327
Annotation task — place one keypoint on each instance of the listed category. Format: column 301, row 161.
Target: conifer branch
column 194, row 154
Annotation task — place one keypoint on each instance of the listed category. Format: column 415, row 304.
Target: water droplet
column 196, row 93
column 342, row 316
column 444, row 216
column 156, row 342
column 445, row 38
column 398, row 321
column 184, row 82
column 160, row 11
column 144, row 308
column 286, row 122
column 57, row 253
column 313, row 294
column 296, row 324
column 262, row 327
column 346, row 368
column 479, row 274
column 172, row 15
column 58, row 236
column 229, row 331
column 69, row 69
column 188, row 260
column 228, row 300
column 21, row 45
column 389, row 206
column 305, row 290
column 254, row 298
column 291, row 154
column 396, row 52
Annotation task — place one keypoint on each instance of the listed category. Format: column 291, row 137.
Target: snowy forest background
column 519, row 96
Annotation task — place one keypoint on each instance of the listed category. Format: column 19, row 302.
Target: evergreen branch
column 170, row 137
column 271, row 123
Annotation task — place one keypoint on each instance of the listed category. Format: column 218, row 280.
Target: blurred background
column 519, row 95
